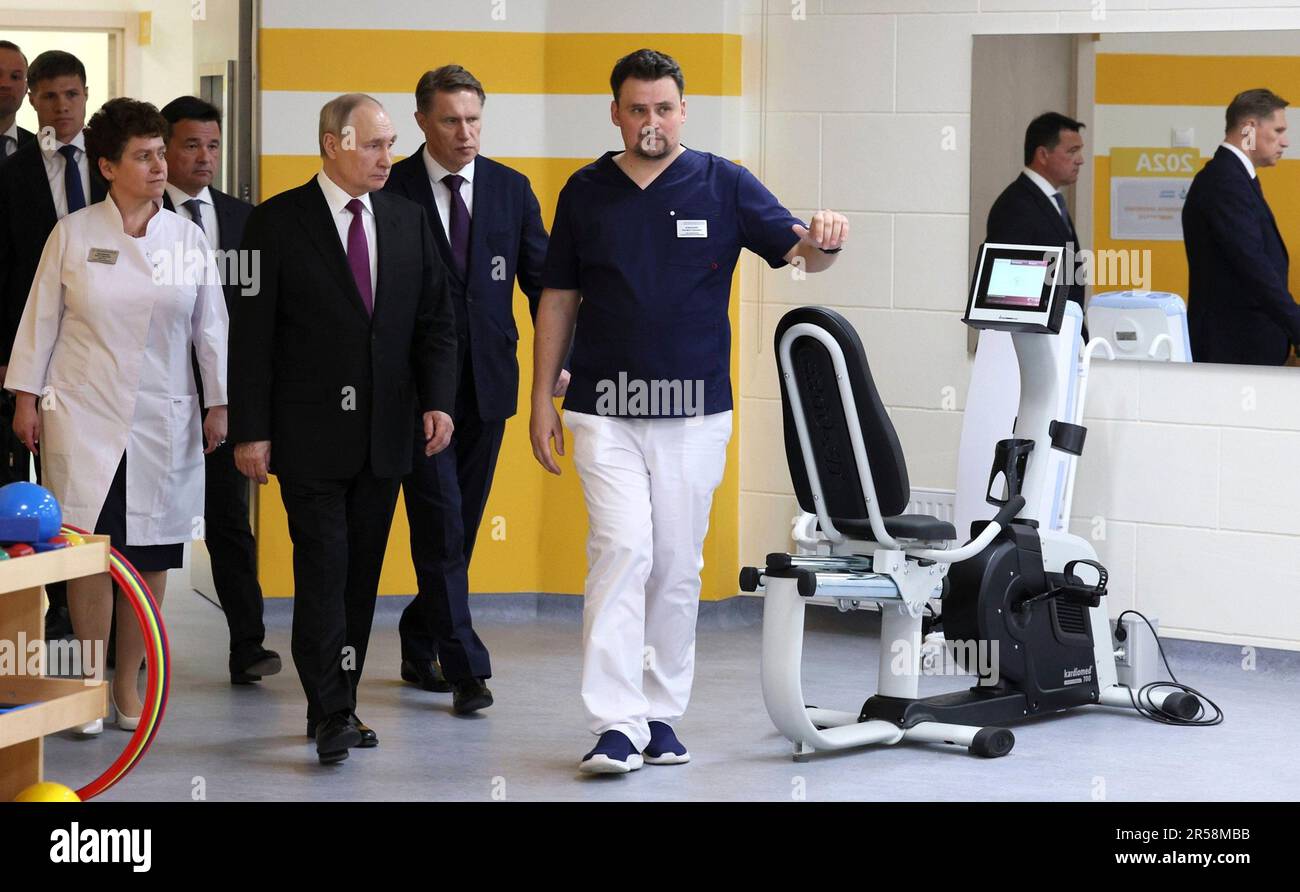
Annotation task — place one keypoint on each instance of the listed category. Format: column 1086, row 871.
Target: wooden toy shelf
column 56, row 703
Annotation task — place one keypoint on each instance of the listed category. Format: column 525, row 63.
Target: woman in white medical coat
column 102, row 373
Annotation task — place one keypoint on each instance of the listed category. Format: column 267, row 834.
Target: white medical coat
column 106, row 346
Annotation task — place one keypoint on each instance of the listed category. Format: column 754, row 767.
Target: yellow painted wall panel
column 1179, row 80
column 1168, row 260
column 1152, row 79
column 534, row 532
column 511, row 62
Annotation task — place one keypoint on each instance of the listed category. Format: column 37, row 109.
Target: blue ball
column 24, row 499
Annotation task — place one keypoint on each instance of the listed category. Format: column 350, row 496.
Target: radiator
column 940, row 503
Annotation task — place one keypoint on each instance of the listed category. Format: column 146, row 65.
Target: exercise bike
column 1022, row 589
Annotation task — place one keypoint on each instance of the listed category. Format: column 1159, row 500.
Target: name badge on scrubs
column 102, row 255
column 692, row 228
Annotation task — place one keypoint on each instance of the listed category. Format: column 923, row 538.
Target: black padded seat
column 904, row 526
column 833, row 462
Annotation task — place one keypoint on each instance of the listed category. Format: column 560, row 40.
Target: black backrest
column 824, row 410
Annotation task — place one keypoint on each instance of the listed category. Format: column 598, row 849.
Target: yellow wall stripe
column 1148, row 79
column 512, row 62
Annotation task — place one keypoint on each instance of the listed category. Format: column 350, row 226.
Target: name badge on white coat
column 102, row 255
column 692, row 228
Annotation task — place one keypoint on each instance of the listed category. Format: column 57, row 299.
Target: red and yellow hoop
column 157, row 669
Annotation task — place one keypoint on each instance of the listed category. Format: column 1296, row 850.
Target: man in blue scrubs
column 638, row 281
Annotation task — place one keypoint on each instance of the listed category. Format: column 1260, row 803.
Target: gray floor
column 247, row 743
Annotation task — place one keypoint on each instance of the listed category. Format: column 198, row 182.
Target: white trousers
column 648, row 484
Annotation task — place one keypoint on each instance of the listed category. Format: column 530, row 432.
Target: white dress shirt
column 10, row 145
column 442, row 195
column 54, row 166
column 207, row 211
column 1041, row 182
column 1250, row 165
column 338, row 200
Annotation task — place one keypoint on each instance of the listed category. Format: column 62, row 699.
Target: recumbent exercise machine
column 1022, row 588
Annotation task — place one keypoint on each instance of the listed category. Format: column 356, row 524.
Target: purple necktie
column 457, row 223
column 359, row 255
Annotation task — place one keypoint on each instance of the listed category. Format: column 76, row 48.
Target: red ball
column 20, row 550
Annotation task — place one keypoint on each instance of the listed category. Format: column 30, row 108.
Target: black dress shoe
column 470, row 696
column 425, row 674
column 260, row 662
column 369, row 738
column 334, row 736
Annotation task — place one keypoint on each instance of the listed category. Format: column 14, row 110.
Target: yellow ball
column 47, row 791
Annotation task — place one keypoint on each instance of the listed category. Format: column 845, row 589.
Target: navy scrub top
column 654, row 302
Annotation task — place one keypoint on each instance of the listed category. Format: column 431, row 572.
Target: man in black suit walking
column 488, row 228
column 43, row 181
column 1032, row 210
column 13, row 86
column 351, row 328
column 1239, row 305
column 193, row 156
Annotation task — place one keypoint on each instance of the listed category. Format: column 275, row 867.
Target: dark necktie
column 1259, row 190
column 1065, row 214
column 457, row 223
column 359, row 255
column 72, row 179
column 194, row 206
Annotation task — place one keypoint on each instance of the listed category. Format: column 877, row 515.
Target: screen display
column 1017, row 288
column 1017, row 283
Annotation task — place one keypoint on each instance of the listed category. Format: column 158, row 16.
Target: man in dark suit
column 1239, row 305
column 488, row 228
column 43, row 181
column 193, row 156
column 1032, row 210
column 13, row 86
column 350, row 327
column 39, row 185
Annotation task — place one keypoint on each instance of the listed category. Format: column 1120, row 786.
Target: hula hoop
column 157, row 669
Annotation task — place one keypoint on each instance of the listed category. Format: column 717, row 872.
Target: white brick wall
column 1191, row 473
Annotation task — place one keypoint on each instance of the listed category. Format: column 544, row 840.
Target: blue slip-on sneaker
column 664, row 747
column 613, row 754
